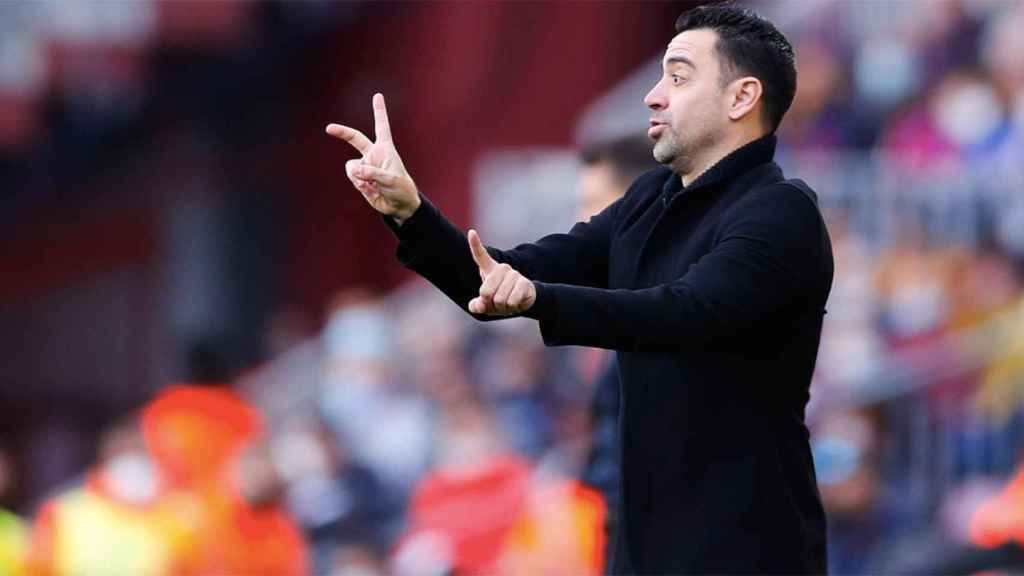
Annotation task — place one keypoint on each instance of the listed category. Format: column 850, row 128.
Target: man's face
column 599, row 186
column 688, row 103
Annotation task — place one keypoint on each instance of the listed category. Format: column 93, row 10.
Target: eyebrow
column 679, row 60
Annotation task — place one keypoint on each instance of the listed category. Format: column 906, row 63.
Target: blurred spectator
column 510, row 370
column 845, row 454
column 460, row 512
column 13, row 534
column 361, row 390
column 13, row 544
column 115, row 523
column 609, row 168
column 341, row 504
column 198, row 437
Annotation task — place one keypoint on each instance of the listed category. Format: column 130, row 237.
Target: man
column 609, row 167
column 709, row 278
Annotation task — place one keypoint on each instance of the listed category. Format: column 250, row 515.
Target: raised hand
column 504, row 291
column 379, row 174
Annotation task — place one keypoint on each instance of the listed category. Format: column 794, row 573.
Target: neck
column 714, row 154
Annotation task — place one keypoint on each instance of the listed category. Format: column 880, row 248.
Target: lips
column 655, row 129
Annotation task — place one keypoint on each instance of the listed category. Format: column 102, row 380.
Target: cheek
column 688, row 108
column 703, row 106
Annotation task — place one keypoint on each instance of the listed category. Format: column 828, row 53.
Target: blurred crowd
column 910, row 118
column 400, row 437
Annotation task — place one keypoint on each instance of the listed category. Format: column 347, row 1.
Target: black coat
column 713, row 296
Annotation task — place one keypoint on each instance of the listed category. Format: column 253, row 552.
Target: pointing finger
column 380, row 119
column 350, row 135
column 480, row 255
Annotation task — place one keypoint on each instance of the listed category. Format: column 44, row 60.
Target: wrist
column 402, row 215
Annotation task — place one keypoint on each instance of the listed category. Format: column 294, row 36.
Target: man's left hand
column 504, row 291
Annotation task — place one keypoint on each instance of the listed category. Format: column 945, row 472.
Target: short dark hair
column 751, row 45
column 629, row 156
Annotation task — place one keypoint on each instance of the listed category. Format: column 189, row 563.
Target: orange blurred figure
column 207, row 506
column 203, row 439
column 560, row 532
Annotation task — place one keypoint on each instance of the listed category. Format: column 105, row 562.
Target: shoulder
column 781, row 217
column 790, row 201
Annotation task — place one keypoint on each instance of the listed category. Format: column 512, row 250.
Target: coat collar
column 737, row 162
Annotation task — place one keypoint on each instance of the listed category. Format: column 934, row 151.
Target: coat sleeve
column 431, row 246
column 773, row 254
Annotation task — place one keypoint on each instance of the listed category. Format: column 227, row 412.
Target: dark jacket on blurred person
column 713, row 296
column 602, row 468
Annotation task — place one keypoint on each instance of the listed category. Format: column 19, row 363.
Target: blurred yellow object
column 86, row 532
column 1001, row 393
column 13, row 545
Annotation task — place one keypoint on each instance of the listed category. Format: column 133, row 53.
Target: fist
column 504, row 291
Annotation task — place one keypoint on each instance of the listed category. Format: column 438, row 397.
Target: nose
column 655, row 99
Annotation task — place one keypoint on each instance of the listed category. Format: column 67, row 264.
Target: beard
column 671, row 150
column 674, row 150
column 667, row 148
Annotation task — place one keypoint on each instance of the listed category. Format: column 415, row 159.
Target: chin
column 663, row 156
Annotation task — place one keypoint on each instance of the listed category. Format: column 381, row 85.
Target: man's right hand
column 504, row 290
column 379, row 175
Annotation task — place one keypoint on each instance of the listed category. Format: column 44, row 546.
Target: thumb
column 480, row 255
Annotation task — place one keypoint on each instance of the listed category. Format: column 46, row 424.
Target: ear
column 744, row 94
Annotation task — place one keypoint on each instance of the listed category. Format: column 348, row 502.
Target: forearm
column 663, row 318
column 726, row 294
column 437, row 250
column 434, row 248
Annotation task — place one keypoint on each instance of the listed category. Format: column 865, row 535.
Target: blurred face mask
column 131, row 477
column 969, row 112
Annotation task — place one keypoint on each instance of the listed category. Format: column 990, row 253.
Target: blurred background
column 211, row 359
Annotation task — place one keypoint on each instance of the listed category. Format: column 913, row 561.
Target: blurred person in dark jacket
column 609, row 167
column 709, row 278
column 340, row 503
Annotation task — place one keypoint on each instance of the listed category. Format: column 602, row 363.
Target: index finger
column 350, row 135
column 480, row 255
column 380, row 119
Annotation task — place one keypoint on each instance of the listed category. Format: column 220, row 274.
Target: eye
column 677, row 80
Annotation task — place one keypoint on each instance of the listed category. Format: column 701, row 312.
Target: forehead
column 698, row 46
